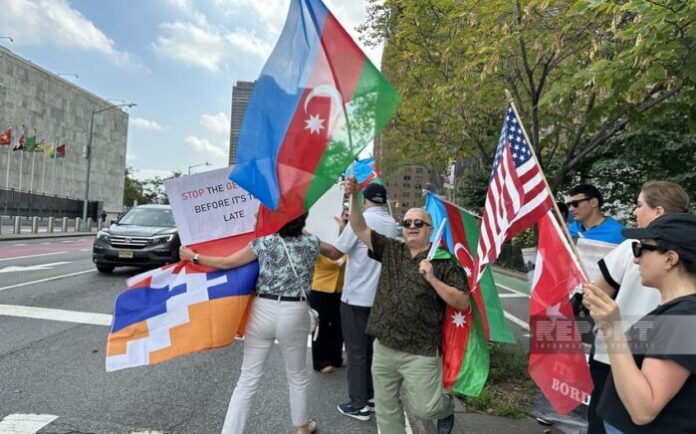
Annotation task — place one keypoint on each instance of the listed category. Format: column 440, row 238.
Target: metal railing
column 21, row 203
column 18, row 225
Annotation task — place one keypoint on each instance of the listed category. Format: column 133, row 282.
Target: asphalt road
column 52, row 359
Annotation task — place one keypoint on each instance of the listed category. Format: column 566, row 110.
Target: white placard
column 320, row 221
column 208, row 206
column 591, row 251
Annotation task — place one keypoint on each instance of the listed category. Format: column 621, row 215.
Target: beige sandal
column 308, row 428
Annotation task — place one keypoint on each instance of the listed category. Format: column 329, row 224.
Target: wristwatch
column 196, row 258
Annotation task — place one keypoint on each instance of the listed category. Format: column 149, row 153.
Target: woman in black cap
column 652, row 385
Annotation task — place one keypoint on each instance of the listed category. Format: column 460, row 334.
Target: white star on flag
column 554, row 313
column 467, row 270
column 458, row 319
column 314, row 124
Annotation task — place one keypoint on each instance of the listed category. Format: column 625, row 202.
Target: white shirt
column 362, row 272
column 634, row 299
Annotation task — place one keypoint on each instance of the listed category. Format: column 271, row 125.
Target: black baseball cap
column 375, row 193
column 675, row 231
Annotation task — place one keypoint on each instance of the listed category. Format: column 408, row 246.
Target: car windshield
column 148, row 217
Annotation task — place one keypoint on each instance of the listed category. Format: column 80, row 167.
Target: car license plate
column 128, row 254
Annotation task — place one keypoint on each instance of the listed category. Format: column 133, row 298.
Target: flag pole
column 43, row 171
column 553, row 198
column 9, row 158
column 53, row 177
column 33, row 161
column 21, row 157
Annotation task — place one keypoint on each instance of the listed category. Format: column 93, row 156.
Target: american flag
column 517, row 194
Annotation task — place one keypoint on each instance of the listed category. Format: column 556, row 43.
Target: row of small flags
column 30, row 144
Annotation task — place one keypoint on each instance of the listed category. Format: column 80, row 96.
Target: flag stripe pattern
column 517, row 195
column 318, row 102
column 180, row 309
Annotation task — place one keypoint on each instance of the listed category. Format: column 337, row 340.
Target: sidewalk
column 4, row 236
column 478, row 423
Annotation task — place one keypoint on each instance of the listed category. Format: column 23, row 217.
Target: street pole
column 88, row 155
column 88, row 152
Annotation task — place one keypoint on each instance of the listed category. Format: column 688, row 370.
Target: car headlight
column 103, row 235
column 163, row 239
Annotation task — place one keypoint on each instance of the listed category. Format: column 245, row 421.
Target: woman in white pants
column 286, row 264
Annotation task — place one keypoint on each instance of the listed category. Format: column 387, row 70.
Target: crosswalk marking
column 32, row 423
column 25, row 423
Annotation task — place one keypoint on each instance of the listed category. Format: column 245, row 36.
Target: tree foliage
column 584, row 75
column 150, row 190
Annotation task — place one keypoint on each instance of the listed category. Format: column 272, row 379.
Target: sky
column 176, row 59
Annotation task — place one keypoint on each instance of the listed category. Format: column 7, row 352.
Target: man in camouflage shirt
column 406, row 319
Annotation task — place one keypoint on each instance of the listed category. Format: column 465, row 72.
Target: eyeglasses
column 577, row 202
column 639, row 247
column 417, row 223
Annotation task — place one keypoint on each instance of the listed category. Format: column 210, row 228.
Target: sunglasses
column 417, row 223
column 639, row 247
column 577, row 202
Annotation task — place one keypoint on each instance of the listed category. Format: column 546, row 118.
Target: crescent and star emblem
column 315, row 123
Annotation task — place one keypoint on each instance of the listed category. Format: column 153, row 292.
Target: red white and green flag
column 318, row 102
column 465, row 351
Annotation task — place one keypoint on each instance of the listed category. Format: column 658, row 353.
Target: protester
column 585, row 205
column 359, row 286
column 620, row 279
column 327, row 348
column 286, row 264
column 406, row 320
column 652, row 385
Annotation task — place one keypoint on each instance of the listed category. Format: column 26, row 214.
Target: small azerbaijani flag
column 365, row 172
column 317, row 103
column 181, row 309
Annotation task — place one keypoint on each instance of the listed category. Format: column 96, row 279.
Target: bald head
column 418, row 213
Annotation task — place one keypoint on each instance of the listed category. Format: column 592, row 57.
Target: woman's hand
column 186, row 254
column 602, row 308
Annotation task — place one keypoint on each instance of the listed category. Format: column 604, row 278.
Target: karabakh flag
column 318, row 102
column 461, row 235
column 6, row 137
column 181, row 309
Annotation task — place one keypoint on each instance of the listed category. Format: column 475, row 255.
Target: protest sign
column 208, row 206
column 320, row 221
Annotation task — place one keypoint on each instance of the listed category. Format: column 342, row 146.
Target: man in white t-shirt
column 359, row 287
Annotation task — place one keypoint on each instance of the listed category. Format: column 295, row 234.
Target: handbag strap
column 292, row 265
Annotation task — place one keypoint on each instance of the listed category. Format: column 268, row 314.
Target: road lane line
column 18, row 245
column 99, row 319
column 512, row 295
column 507, row 288
column 25, row 423
column 31, row 256
column 516, row 320
column 85, row 250
column 47, row 280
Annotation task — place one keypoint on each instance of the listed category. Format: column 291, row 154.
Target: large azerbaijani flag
column 318, row 102
column 465, row 351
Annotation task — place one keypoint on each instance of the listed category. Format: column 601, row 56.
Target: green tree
column 580, row 72
column 133, row 189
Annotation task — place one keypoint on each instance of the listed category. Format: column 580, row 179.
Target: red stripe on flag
column 339, row 65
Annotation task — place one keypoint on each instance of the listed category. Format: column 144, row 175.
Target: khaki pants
column 422, row 378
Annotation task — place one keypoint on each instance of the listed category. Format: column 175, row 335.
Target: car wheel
column 105, row 268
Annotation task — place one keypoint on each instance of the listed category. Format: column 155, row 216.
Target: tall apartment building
column 240, row 99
